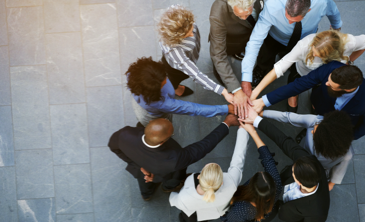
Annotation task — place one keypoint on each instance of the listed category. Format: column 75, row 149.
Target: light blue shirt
column 292, row 192
column 272, row 21
column 168, row 104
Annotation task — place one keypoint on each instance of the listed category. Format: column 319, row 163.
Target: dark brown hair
column 348, row 77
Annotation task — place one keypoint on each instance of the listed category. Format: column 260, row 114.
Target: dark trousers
column 175, row 76
column 293, row 74
column 171, row 181
column 184, row 218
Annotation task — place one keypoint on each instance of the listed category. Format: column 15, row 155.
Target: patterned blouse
column 243, row 211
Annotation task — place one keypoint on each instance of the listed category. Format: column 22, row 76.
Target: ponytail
column 209, row 195
column 211, row 178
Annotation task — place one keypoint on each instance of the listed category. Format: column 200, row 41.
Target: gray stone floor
column 63, row 93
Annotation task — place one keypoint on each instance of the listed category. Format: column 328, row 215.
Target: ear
column 198, row 176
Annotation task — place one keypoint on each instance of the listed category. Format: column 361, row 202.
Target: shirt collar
column 350, row 94
column 149, row 145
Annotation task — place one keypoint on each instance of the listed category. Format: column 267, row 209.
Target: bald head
column 158, row 131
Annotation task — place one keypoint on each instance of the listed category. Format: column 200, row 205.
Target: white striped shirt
column 184, row 56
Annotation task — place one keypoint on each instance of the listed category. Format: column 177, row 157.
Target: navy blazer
column 320, row 99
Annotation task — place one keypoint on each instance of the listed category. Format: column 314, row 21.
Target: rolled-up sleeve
column 333, row 14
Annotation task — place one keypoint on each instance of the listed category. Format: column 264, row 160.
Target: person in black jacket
column 306, row 196
column 154, row 157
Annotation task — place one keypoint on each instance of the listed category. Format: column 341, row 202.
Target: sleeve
column 294, row 119
column 289, row 59
column 304, row 83
column 258, row 36
column 287, row 212
column 175, row 106
column 218, row 52
column 238, row 159
column 333, row 14
column 339, row 171
column 360, row 131
column 268, row 163
column 187, row 66
column 198, row 150
column 359, row 43
column 284, row 142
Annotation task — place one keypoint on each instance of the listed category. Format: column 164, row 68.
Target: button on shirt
column 168, row 104
column 292, row 192
column 272, row 21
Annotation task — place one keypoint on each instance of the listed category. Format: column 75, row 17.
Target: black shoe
column 139, row 124
column 217, row 76
column 301, row 135
column 176, row 189
column 147, row 198
column 187, row 92
column 291, row 109
column 257, row 76
column 238, row 56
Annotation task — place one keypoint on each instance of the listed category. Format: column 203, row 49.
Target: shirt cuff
column 236, row 90
column 219, row 89
column 257, row 121
column 246, row 77
column 225, row 124
column 266, row 101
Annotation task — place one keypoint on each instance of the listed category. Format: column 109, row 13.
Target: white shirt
column 292, row 192
column 302, row 48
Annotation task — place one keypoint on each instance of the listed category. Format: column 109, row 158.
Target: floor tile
column 112, row 199
column 130, row 118
column 105, row 113
column 3, row 25
column 34, row 174
column 61, row 16
column 84, row 2
column 359, row 165
column 30, row 107
column 100, row 44
column 6, row 137
column 8, row 204
column 73, row 189
column 88, row 217
column 359, row 145
column 151, row 214
column 65, row 68
column 142, row 8
column 362, row 212
column 167, row 3
column 37, row 210
column 26, row 36
column 349, row 176
column 69, row 134
column 20, row 3
column 5, row 98
column 342, row 206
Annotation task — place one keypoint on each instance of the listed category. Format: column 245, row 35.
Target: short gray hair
column 295, row 8
column 242, row 4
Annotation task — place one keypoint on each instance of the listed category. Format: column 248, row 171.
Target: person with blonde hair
column 310, row 53
column 206, row 195
column 180, row 44
column 231, row 25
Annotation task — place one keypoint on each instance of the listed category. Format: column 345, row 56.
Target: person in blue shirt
column 154, row 95
column 281, row 24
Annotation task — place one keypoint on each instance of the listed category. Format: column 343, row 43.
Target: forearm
column 255, row 136
column 356, row 54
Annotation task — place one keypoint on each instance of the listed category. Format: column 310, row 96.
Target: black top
column 243, row 211
column 196, row 180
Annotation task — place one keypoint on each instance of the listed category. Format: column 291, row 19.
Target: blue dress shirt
column 169, row 104
column 272, row 21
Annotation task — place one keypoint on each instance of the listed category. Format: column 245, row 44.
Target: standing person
column 154, row 157
column 180, row 44
column 327, row 137
column 154, row 95
column 281, row 24
column 231, row 24
column 310, row 53
column 205, row 195
column 254, row 201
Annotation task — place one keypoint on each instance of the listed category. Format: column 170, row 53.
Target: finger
column 249, row 101
column 235, row 109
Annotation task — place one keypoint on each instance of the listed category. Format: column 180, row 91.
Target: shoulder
column 218, row 6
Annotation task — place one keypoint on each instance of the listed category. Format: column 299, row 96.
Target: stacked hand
column 241, row 103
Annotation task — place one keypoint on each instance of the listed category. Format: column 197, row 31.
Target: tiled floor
column 63, row 93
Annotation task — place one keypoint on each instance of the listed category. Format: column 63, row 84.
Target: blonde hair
column 242, row 4
column 211, row 178
column 330, row 45
column 174, row 24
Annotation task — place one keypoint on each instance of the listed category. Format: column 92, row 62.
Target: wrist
column 224, row 92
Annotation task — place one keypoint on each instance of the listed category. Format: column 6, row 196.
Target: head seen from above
column 306, row 171
column 158, row 131
column 333, row 136
column 176, row 24
column 242, row 8
column 328, row 45
column 295, row 10
column 344, row 79
column 210, row 180
column 260, row 191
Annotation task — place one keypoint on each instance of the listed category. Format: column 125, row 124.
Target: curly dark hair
column 333, row 136
column 145, row 77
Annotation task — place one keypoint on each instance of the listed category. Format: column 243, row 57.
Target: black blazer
column 166, row 159
column 313, row 208
column 320, row 99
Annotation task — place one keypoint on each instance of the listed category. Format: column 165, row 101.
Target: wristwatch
column 350, row 62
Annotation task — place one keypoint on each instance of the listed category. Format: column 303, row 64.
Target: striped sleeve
column 184, row 64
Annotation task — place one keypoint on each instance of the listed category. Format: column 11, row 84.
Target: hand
column 251, row 116
column 247, row 88
column 147, row 175
column 331, row 28
column 248, row 127
column 231, row 120
column 255, row 93
column 258, row 105
column 228, row 96
column 330, row 185
column 241, row 103
column 231, row 109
